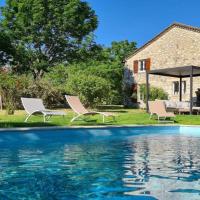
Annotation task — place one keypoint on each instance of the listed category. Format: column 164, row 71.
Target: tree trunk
column 38, row 74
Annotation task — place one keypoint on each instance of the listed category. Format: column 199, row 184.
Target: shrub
column 58, row 76
column 44, row 89
column 154, row 93
column 62, row 75
column 92, row 90
column 11, row 89
column 110, row 72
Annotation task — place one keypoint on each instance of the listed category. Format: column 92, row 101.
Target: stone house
column 176, row 46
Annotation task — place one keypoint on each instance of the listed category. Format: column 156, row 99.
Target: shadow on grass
column 92, row 124
column 114, row 111
column 25, row 124
column 155, row 121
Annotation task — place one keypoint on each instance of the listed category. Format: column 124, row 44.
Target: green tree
column 48, row 32
column 89, row 51
column 117, row 53
column 120, row 50
column 6, row 48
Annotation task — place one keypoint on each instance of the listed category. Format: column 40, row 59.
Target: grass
column 124, row 117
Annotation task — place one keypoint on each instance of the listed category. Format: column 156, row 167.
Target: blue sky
column 140, row 20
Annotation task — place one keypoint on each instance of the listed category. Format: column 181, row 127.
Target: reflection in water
column 154, row 165
column 166, row 167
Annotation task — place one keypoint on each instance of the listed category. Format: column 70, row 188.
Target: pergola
column 176, row 72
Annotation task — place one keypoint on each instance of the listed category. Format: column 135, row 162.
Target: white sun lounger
column 34, row 106
column 76, row 105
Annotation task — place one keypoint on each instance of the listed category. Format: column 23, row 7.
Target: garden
column 48, row 50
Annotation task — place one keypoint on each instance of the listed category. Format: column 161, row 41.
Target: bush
column 111, row 72
column 91, row 89
column 11, row 89
column 154, row 93
column 44, row 89
column 95, row 83
column 61, row 76
column 58, row 77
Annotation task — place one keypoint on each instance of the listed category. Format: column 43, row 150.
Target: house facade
column 176, row 46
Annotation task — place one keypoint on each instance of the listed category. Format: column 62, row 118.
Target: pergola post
column 180, row 92
column 191, row 90
column 147, row 91
column 190, row 71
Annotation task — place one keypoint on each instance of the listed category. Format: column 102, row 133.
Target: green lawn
column 125, row 117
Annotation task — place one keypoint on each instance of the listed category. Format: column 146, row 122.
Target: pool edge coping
column 92, row 127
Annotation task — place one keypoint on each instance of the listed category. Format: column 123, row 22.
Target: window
column 141, row 65
column 184, row 87
column 176, row 87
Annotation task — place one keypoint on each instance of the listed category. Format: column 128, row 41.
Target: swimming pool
column 101, row 163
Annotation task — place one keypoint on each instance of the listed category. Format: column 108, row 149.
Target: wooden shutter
column 135, row 66
column 148, row 64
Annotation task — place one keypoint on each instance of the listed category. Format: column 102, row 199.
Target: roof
column 179, row 25
column 177, row 72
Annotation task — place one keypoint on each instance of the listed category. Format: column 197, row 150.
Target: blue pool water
column 114, row 163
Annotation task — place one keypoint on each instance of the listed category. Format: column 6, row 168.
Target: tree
column 6, row 49
column 108, row 65
column 89, row 51
column 120, row 50
column 48, row 32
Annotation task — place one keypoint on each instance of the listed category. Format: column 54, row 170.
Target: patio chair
column 78, row 108
column 158, row 108
column 183, row 107
column 35, row 106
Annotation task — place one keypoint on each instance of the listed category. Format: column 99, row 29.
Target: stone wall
column 177, row 47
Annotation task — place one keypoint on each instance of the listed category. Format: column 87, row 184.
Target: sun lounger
column 78, row 108
column 35, row 106
column 158, row 108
